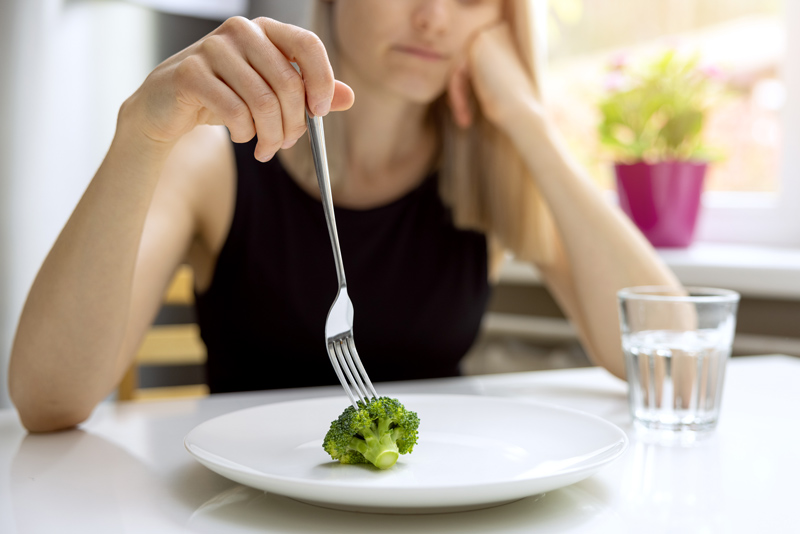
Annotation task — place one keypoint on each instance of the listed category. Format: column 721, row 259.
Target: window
column 749, row 193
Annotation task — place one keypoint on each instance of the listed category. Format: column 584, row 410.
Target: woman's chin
column 417, row 91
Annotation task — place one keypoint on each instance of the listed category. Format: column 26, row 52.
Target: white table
column 126, row 470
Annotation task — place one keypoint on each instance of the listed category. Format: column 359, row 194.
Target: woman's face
column 409, row 47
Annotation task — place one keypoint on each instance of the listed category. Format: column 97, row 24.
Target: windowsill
column 754, row 271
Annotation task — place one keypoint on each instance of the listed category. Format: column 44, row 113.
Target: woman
column 446, row 159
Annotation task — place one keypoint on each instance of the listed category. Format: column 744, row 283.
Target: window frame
column 766, row 218
column 757, row 218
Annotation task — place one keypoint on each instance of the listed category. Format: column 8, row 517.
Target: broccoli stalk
column 378, row 443
column 377, row 433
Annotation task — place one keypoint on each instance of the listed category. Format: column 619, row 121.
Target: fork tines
column 344, row 357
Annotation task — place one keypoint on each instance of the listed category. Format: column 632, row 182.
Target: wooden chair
column 173, row 340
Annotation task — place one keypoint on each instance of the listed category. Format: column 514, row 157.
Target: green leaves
column 657, row 112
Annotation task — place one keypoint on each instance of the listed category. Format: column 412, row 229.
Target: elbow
column 41, row 413
column 43, row 404
column 39, row 420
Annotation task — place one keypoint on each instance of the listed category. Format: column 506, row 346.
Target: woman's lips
column 421, row 52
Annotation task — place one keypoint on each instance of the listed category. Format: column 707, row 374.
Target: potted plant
column 652, row 122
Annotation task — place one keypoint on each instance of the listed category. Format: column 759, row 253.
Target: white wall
column 292, row 12
column 66, row 67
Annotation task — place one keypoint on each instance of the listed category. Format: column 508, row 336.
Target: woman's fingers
column 241, row 75
column 343, row 97
column 458, row 96
column 266, row 111
column 283, row 80
column 305, row 49
column 256, row 64
column 498, row 76
column 199, row 88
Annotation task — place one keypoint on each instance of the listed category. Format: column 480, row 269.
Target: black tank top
column 419, row 286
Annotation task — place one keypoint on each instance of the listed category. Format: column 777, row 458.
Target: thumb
column 343, row 97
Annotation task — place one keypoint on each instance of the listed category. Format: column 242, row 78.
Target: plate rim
column 621, row 445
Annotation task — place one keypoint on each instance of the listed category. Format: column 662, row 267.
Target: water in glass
column 676, row 378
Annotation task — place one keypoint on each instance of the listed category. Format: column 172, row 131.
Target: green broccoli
column 377, row 433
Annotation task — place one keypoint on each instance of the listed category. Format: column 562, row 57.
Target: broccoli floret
column 377, row 433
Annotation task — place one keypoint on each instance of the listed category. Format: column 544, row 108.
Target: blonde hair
column 482, row 178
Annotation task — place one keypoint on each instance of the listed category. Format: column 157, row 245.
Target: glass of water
column 676, row 343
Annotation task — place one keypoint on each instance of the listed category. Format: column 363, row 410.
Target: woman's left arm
column 598, row 250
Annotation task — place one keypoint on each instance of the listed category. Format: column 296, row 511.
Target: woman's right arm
column 103, row 279
column 64, row 356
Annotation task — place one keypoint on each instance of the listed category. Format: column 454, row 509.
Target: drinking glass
column 677, row 342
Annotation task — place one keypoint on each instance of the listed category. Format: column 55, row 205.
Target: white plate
column 472, row 452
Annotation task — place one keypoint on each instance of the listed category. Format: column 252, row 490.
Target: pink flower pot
column 662, row 199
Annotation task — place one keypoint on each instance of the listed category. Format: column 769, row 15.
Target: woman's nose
column 431, row 16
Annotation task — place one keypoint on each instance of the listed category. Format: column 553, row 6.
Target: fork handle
column 316, row 135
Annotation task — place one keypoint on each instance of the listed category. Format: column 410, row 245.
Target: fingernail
column 322, row 109
column 288, row 144
column 263, row 158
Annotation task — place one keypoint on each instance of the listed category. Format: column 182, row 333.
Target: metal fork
column 339, row 325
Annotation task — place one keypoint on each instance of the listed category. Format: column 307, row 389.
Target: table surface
column 126, row 470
